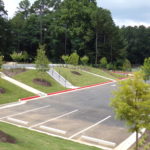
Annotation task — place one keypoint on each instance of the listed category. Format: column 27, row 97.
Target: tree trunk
column 137, row 140
column 96, row 48
column 111, row 52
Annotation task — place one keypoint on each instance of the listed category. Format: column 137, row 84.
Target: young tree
column 65, row 58
column 146, row 68
column 1, row 61
column 74, row 59
column 103, row 62
column 132, row 103
column 126, row 65
column 84, row 60
column 16, row 56
column 41, row 60
column 25, row 56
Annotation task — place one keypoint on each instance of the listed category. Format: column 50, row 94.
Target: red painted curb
column 68, row 90
column 28, row 98
column 64, row 91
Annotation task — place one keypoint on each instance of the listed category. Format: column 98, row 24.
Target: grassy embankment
column 80, row 79
column 30, row 140
column 28, row 76
column 12, row 92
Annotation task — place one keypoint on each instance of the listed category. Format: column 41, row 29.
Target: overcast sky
column 124, row 12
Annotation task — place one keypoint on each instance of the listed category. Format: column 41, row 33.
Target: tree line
column 69, row 26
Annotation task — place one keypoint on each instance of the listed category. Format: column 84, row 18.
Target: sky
column 124, row 12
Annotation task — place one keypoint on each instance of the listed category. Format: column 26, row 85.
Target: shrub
column 103, row 62
column 84, row 60
column 110, row 66
column 65, row 58
column 1, row 61
column 16, row 56
column 146, row 68
column 74, row 59
column 126, row 65
column 25, row 56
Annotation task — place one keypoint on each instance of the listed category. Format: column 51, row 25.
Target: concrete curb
column 69, row 90
column 65, row 91
column 126, row 144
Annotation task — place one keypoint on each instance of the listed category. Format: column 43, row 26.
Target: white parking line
column 89, row 127
column 54, row 135
column 53, row 129
column 54, row 118
column 26, row 111
column 103, row 142
column 113, row 85
column 17, row 120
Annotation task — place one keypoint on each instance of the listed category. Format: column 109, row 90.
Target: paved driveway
column 83, row 115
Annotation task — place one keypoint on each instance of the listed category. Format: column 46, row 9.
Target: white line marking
column 12, row 105
column 26, row 111
column 39, row 131
column 103, row 142
column 17, row 120
column 54, row 118
column 89, row 127
column 53, row 129
column 113, row 85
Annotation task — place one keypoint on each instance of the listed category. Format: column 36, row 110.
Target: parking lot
column 82, row 115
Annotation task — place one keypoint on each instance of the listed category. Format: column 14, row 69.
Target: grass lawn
column 13, row 92
column 30, row 140
column 99, row 72
column 28, row 76
column 107, row 74
column 79, row 80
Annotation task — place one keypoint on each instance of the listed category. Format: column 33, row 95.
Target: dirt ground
column 13, row 72
column 5, row 138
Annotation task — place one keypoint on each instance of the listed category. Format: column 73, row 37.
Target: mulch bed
column 2, row 91
column 5, row 138
column 13, row 72
column 76, row 73
column 42, row 82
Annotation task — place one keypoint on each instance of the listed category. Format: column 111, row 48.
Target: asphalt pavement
column 83, row 115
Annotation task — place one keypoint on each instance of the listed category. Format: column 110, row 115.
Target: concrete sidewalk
column 22, row 85
column 99, row 75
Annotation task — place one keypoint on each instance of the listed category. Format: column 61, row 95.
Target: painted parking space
column 82, row 116
column 73, row 123
column 101, row 133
